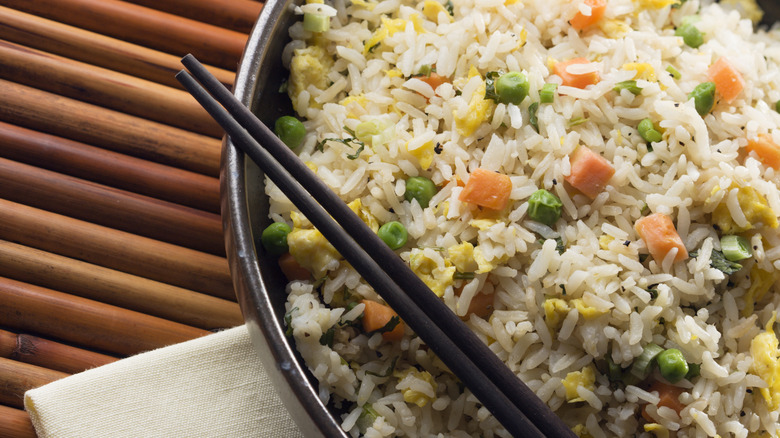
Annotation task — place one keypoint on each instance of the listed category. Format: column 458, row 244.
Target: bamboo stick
column 115, row 249
column 238, row 15
column 18, row 377
column 148, row 27
column 15, row 423
column 105, row 88
column 49, row 354
column 112, row 130
column 109, row 168
column 111, row 207
column 94, row 48
column 87, row 323
column 94, row 282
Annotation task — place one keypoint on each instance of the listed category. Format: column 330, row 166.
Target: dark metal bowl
column 258, row 281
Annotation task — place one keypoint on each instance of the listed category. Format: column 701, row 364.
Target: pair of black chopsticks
column 512, row 403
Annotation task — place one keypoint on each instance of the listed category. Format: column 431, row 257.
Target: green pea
column 512, row 87
column 544, row 207
column 274, row 238
column 393, row 234
column 290, row 130
column 672, row 365
column 703, row 96
column 648, row 132
column 692, row 36
column 420, row 188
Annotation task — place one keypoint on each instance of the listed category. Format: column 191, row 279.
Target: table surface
column 110, row 236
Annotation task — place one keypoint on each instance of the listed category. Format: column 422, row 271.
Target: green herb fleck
column 450, row 7
column 327, row 337
column 532, row 119
column 350, row 141
column 394, row 321
column 490, row 85
column 288, row 321
column 720, row 262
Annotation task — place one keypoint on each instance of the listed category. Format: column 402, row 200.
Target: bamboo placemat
column 110, row 236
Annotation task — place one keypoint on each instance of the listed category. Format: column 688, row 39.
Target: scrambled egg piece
column 424, row 154
column 555, row 309
column 760, row 283
column 432, row 9
column 656, row 4
column 643, row 70
column 478, row 109
column 364, row 214
column 411, row 396
column 614, row 28
column 299, row 220
column 350, row 101
column 486, row 265
column 462, row 256
column 588, row 312
column 364, row 4
column 585, row 378
column 309, row 66
column 312, row 251
column 389, row 27
column 435, row 276
column 754, row 206
column 766, row 363
column 604, row 241
column 657, row 429
column 581, row 431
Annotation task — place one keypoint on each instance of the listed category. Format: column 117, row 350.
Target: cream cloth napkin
column 214, row 386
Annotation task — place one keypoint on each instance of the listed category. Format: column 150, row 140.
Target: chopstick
column 512, row 403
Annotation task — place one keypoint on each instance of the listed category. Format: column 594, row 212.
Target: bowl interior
column 259, row 283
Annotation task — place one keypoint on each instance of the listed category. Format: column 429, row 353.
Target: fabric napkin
column 214, row 386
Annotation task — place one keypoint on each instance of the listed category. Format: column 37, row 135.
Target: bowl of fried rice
column 590, row 185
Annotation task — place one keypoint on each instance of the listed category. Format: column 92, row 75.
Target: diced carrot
column 669, row 395
column 766, row 150
column 487, row 189
column 292, row 269
column 590, row 172
column 597, row 9
column 577, row 80
column 434, row 80
column 728, row 81
column 377, row 316
column 481, row 304
column 660, row 236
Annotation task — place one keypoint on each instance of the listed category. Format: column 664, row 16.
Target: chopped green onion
column 425, row 70
column 630, row 86
column 366, row 418
column 643, row 365
column 614, row 371
column 316, row 22
column 463, row 275
column 547, row 93
column 735, row 248
column 648, row 132
column 673, row 71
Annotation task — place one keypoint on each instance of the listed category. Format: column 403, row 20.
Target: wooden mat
column 110, row 236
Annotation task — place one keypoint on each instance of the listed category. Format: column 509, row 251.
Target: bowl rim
column 266, row 329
